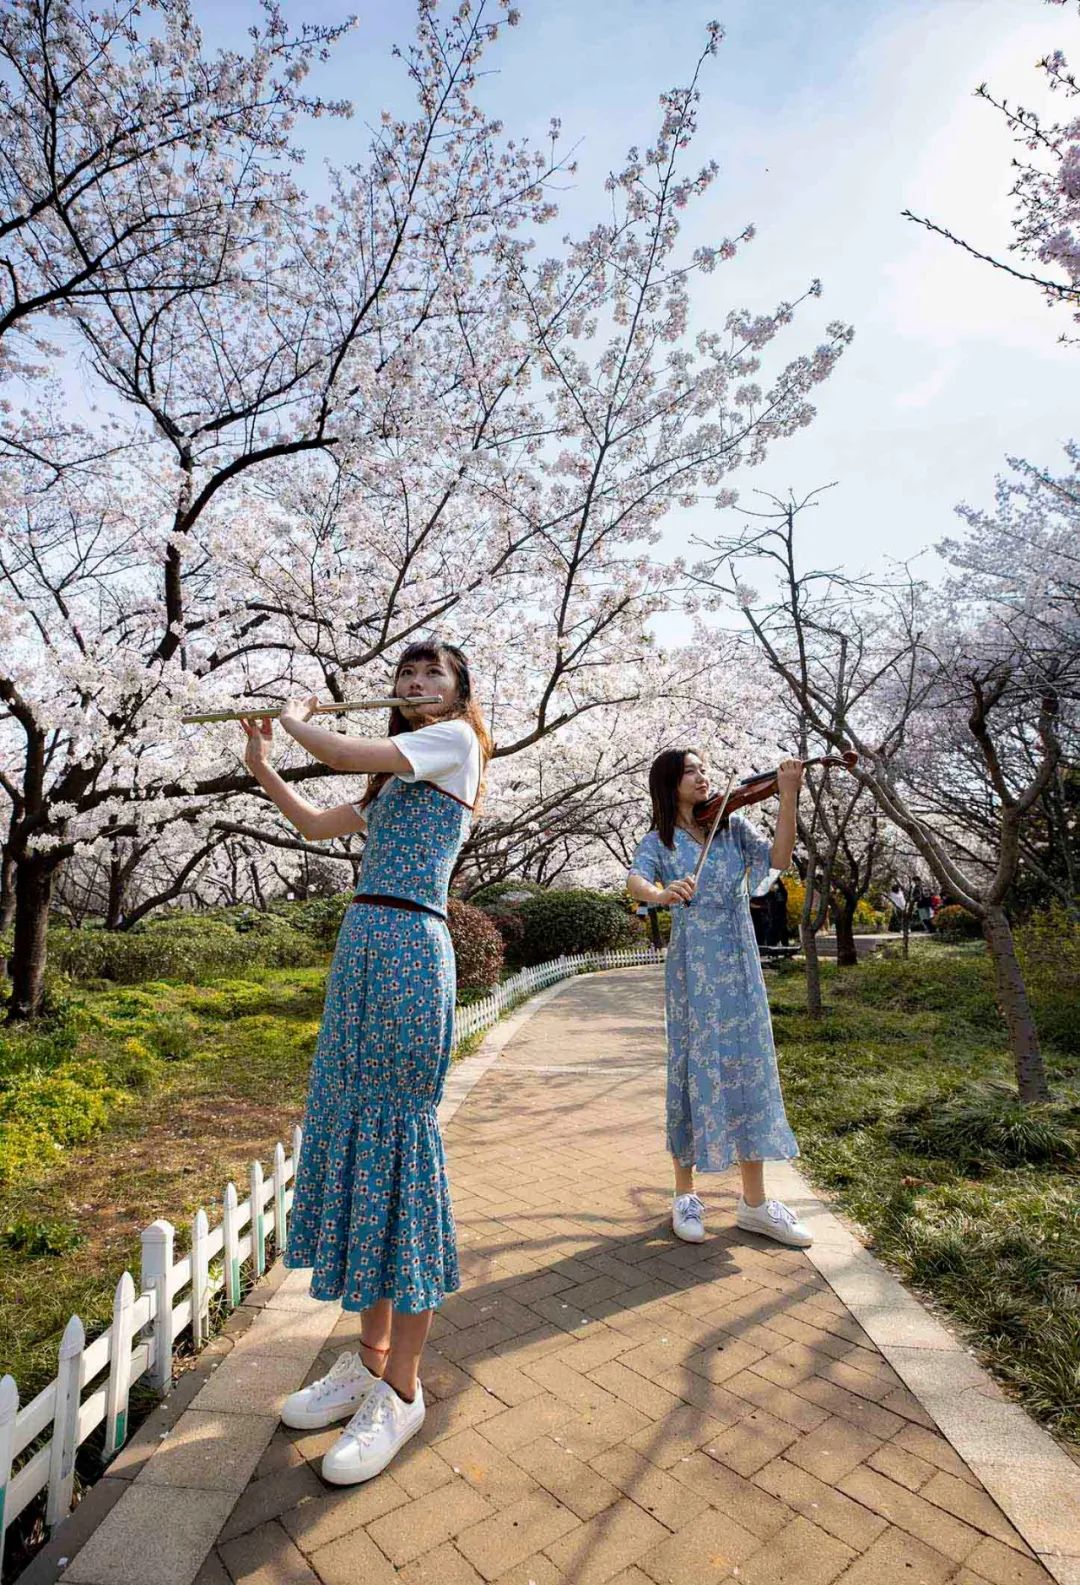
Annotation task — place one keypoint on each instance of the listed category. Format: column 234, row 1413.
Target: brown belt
column 397, row 902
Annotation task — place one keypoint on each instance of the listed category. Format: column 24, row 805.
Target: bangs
column 424, row 650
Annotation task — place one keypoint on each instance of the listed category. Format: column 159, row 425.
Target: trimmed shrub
column 478, row 946
column 318, row 917
column 953, row 923
column 572, row 921
column 508, row 894
column 511, row 928
column 870, row 920
column 190, row 947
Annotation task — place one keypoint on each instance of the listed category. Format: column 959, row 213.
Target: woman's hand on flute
column 677, row 892
column 296, row 711
column 259, row 731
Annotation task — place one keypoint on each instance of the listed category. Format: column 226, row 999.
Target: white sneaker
column 382, row 1424
column 774, row 1220
column 333, row 1397
column 686, row 1218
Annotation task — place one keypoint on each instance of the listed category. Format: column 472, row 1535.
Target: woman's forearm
column 783, row 845
column 298, row 811
column 346, row 753
column 643, row 891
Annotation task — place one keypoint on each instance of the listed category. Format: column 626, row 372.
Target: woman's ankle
column 374, row 1356
column 404, row 1389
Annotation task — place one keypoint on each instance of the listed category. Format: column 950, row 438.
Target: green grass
column 134, row 1102
column 902, row 1101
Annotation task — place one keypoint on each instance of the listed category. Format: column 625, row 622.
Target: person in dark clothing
column 776, row 898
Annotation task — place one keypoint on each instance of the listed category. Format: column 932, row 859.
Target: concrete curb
column 181, row 1492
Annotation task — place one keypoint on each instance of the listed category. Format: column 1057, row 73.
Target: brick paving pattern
column 607, row 1404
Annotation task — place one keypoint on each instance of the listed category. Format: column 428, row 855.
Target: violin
column 754, row 789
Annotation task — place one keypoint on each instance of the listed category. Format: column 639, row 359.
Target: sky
column 827, row 118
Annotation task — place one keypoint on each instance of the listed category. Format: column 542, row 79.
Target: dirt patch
column 164, row 1164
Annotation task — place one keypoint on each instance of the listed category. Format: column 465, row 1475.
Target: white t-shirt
column 446, row 753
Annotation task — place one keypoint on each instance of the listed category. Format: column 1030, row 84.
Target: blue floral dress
column 723, row 1090
column 371, row 1212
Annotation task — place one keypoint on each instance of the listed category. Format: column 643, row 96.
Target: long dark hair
column 466, row 709
column 665, row 774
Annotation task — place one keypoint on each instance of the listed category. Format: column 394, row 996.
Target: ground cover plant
column 904, row 1103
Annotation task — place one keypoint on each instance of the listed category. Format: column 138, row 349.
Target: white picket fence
column 175, row 1297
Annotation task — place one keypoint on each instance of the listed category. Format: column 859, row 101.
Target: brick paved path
column 606, row 1404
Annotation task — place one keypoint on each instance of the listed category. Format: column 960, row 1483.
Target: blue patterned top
column 737, row 865
column 415, row 833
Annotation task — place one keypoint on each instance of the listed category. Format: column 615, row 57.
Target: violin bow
column 707, row 844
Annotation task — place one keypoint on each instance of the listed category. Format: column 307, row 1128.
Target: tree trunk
column 1015, row 1008
column 813, row 970
column 846, row 955
column 114, row 906
column 33, row 891
column 7, row 890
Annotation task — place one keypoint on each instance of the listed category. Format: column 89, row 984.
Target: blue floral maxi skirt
column 724, row 1102
column 371, row 1213
column 723, row 1090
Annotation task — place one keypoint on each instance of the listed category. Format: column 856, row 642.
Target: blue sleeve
column 646, row 860
column 755, row 850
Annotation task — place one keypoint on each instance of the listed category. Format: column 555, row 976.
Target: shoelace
column 345, row 1365
column 691, row 1205
column 371, row 1413
column 779, row 1212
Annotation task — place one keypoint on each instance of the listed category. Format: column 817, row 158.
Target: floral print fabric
column 371, row 1212
column 723, row 1090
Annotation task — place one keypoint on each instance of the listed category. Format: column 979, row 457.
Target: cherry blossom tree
column 973, row 684
column 382, row 417
column 132, row 165
column 1046, row 188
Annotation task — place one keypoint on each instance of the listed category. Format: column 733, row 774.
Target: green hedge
column 954, row 923
column 317, row 917
column 188, row 947
column 505, row 895
column 569, row 922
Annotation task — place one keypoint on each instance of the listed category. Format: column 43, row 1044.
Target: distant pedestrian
column 779, row 934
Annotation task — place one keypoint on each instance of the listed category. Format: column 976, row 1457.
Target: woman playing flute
column 371, row 1212
column 724, row 1104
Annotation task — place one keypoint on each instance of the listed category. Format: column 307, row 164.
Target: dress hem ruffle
column 403, row 1304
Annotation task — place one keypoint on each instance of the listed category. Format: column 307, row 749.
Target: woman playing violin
column 724, row 1104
